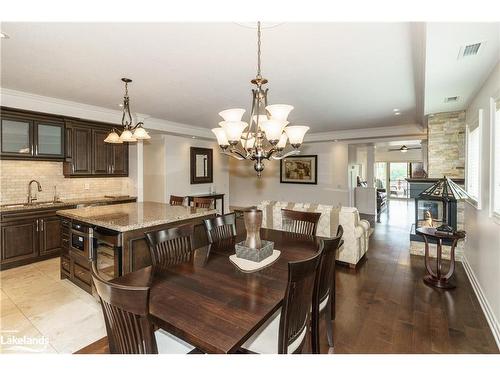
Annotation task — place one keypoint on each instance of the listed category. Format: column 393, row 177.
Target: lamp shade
column 261, row 118
column 444, row 189
column 296, row 134
column 221, row 136
column 127, row 136
column 282, row 142
column 233, row 130
column 249, row 139
column 273, row 129
column 234, row 114
column 113, row 137
column 140, row 133
column 279, row 111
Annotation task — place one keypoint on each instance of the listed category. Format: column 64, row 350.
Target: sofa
column 356, row 231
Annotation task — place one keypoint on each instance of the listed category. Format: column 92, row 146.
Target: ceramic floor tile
column 7, row 306
column 19, row 335
column 50, row 267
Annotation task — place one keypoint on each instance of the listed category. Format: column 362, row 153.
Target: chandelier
column 267, row 132
column 130, row 133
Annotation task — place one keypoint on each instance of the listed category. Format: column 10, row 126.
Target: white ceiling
column 337, row 75
column 445, row 74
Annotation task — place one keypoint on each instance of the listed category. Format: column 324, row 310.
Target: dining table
column 212, row 304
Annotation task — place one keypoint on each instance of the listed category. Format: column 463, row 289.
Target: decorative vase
column 253, row 222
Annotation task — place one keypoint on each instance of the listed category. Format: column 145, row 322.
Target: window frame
column 494, row 133
column 475, row 201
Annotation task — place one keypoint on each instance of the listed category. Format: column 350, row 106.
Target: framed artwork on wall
column 201, row 165
column 300, row 169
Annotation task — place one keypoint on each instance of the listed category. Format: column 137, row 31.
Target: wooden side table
column 438, row 279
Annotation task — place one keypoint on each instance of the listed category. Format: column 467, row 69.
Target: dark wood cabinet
column 50, row 235
column 19, row 241
column 31, row 136
column 88, row 155
column 29, row 236
column 101, row 152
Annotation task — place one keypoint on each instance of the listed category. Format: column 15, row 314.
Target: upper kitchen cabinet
column 88, row 155
column 27, row 135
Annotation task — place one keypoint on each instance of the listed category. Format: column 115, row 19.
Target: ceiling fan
column 403, row 148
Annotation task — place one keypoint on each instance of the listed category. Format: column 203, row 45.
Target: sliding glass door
column 398, row 186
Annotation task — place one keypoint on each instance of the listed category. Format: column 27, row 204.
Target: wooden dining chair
column 128, row 326
column 286, row 331
column 176, row 200
column 171, row 246
column 203, row 202
column 324, row 300
column 220, row 227
column 299, row 221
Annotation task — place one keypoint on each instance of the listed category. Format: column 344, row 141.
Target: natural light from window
column 496, row 161
column 473, row 161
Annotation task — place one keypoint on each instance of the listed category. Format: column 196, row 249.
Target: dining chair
column 324, row 300
column 220, row 227
column 176, row 200
column 203, row 202
column 286, row 331
column 299, row 221
column 171, row 246
column 128, row 326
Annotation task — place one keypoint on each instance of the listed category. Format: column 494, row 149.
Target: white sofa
column 356, row 231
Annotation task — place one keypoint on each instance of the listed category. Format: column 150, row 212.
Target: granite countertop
column 63, row 203
column 130, row 216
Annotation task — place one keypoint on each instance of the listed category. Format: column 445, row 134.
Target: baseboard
column 488, row 312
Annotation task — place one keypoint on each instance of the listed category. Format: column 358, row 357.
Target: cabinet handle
column 43, row 225
column 37, row 225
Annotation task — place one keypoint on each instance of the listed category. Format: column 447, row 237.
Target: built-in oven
column 80, row 239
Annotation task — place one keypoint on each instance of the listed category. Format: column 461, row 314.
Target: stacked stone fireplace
column 446, row 156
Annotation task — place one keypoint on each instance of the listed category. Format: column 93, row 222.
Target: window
column 473, row 172
column 495, row 118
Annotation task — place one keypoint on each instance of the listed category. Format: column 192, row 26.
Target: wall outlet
column 86, row 186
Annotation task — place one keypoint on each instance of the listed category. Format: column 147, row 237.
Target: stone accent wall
column 446, row 145
column 15, row 175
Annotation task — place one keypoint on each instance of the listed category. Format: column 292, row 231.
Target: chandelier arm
column 291, row 153
column 234, row 153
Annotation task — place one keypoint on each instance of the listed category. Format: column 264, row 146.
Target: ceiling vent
column 470, row 50
column 451, row 99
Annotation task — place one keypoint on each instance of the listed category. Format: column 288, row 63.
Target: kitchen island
column 116, row 234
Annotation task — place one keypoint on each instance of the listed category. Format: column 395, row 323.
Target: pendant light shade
column 247, row 141
column 113, row 137
column 127, row 136
column 233, row 130
column 282, row 142
column 273, row 129
column 234, row 114
column 221, row 137
column 296, row 134
column 140, row 133
column 279, row 111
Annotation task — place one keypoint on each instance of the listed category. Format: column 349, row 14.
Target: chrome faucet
column 30, row 197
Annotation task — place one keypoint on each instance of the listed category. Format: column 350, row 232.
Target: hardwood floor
column 384, row 307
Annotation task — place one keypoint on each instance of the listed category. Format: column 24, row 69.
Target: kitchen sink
column 34, row 204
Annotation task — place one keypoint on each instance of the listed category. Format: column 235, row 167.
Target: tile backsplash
column 15, row 175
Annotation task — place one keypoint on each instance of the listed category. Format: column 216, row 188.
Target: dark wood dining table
column 213, row 305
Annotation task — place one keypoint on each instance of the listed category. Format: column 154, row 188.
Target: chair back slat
column 203, row 202
column 220, row 227
column 176, row 200
column 300, row 221
column 297, row 302
column 329, row 249
column 171, row 246
column 126, row 316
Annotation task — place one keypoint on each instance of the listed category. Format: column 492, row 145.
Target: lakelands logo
column 11, row 342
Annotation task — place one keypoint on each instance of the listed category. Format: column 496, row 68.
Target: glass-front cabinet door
column 16, row 137
column 49, row 140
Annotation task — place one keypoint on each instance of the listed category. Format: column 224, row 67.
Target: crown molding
column 357, row 135
column 39, row 103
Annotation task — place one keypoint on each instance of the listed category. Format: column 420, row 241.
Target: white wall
column 154, row 169
column 382, row 155
column 177, row 172
column 246, row 189
column 482, row 247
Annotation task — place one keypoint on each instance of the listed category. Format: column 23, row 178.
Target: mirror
column 201, row 165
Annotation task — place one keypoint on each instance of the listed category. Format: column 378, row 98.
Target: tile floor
column 51, row 315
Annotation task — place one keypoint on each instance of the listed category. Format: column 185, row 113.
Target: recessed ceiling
column 337, row 75
column 448, row 72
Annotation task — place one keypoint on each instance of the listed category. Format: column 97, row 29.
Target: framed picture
column 201, row 165
column 300, row 169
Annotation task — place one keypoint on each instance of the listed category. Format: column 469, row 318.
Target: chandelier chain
column 258, row 51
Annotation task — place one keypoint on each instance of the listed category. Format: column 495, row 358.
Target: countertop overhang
column 131, row 216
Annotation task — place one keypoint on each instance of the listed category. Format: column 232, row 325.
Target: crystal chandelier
column 266, row 134
column 129, row 133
